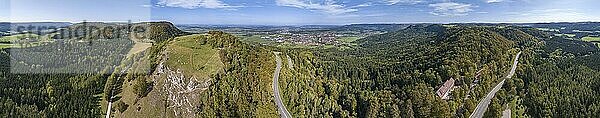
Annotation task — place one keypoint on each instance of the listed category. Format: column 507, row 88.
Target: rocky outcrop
column 182, row 92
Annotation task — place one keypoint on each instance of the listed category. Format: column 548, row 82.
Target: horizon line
column 298, row 24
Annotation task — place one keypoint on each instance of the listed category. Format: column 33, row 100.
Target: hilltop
column 144, row 31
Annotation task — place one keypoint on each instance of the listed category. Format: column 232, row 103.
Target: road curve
column 483, row 104
column 280, row 106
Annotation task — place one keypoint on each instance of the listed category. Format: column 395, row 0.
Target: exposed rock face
column 182, row 92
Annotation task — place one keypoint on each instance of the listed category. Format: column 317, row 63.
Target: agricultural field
column 567, row 35
column 2, row 46
column 591, row 39
column 596, row 40
column 13, row 38
column 16, row 45
column 348, row 39
column 255, row 39
column 19, row 41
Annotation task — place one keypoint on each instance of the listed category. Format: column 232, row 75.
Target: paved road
column 108, row 111
column 483, row 104
column 280, row 106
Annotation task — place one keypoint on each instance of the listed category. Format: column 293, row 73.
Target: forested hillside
column 560, row 80
column 52, row 81
column 244, row 87
column 395, row 74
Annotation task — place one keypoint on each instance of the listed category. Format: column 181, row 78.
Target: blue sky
column 298, row 12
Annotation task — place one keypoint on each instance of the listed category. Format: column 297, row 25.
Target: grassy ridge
column 192, row 57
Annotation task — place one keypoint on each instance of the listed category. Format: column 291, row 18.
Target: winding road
column 483, row 104
column 280, row 106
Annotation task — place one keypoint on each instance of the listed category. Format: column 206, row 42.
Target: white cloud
column 192, row 4
column 506, row 1
column 329, row 6
column 494, row 1
column 146, row 6
column 451, row 9
column 393, row 2
column 362, row 5
column 552, row 15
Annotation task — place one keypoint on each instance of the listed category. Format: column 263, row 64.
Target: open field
column 13, row 41
column 2, row 45
column 13, row 38
column 348, row 39
column 596, row 40
column 591, row 39
column 192, row 58
column 567, row 35
column 11, row 45
column 138, row 47
column 255, row 39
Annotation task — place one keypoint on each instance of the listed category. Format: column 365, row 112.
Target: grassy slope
column 186, row 54
column 152, row 106
column 183, row 51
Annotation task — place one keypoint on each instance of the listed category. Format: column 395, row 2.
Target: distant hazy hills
column 376, row 27
column 6, row 26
